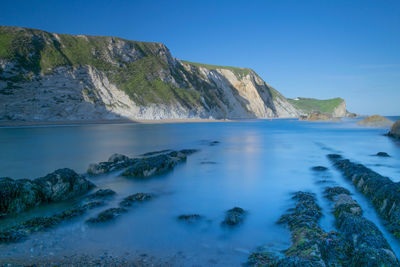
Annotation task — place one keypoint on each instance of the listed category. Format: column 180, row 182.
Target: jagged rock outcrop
column 151, row 164
column 311, row 246
column 56, row 77
column 395, row 130
column 369, row 246
column 19, row 195
column 380, row 190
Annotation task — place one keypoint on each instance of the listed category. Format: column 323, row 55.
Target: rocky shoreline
column 17, row 196
column 383, row 193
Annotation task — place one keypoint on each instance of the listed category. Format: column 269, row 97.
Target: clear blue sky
column 319, row 49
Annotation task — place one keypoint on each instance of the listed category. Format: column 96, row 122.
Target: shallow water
column 257, row 165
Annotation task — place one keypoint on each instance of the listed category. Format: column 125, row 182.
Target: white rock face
column 79, row 94
column 84, row 92
column 340, row 111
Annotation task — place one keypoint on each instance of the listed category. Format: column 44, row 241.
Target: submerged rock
column 155, row 152
column 102, row 194
column 381, row 191
column 369, row 247
column 19, row 195
column 124, row 205
column 208, row 163
column 234, row 216
column 107, row 215
column 138, row 197
column 190, row 218
column 382, row 154
column 213, row 143
column 319, row 168
column 395, row 130
column 375, row 121
column 22, row 230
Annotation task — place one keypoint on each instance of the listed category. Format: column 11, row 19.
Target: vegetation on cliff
column 308, row 105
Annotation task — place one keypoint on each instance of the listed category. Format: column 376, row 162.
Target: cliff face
column 46, row 76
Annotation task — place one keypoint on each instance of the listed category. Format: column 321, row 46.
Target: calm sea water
column 257, row 165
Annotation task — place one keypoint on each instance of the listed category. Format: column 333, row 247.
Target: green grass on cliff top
column 241, row 72
column 312, row 104
column 41, row 52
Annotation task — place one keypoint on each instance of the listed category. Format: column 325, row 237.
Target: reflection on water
column 257, row 165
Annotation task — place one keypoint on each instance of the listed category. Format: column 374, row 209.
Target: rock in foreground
column 19, row 195
column 369, row 247
column 375, row 121
column 381, row 191
column 22, row 230
column 124, row 205
column 152, row 163
column 311, row 246
column 395, row 130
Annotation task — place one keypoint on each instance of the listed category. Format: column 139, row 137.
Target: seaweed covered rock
column 63, row 184
column 380, row 190
column 369, row 247
column 124, row 205
column 131, row 199
column 22, row 230
column 106, row 215
column 102, row 194
column 395, row 130
column 19, row 195
column 311, row 246
column 115, row 162
column 155, row 165
column 151, row 163
column 234, row 216
column 375, row 121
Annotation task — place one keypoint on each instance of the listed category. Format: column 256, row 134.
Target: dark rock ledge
column 156, row 163
column 20, row 195
column 311, row 246
column 21, row 231
column 368, row 245
column 124, row 205
column 380, row 190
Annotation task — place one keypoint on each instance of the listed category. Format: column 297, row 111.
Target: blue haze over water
column 257, row 165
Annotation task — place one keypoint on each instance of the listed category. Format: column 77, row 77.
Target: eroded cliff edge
column 56, row 77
